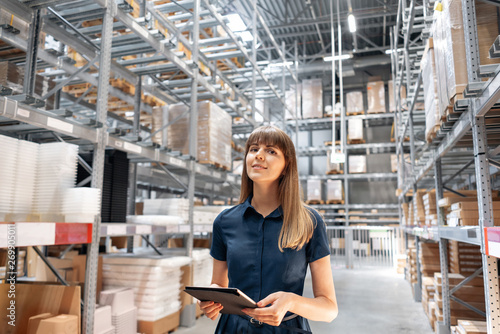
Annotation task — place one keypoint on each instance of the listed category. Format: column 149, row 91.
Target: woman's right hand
column 210, row 309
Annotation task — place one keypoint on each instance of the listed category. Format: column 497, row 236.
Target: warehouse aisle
column 373, row 300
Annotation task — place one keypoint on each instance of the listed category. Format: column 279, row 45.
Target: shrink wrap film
column 312, row 98
column 313, row 190
column 214, row 133
column 334, row 191
column 354, row 102
column 376, row 97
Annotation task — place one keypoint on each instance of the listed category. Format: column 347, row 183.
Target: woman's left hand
column 280, row 303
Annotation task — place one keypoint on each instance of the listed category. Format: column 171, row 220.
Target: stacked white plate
column 125, row 322
column 123, row 311
column 80, row 205
column 57, row 165
column 27, row 165
column 167, row 206
column 7, row 173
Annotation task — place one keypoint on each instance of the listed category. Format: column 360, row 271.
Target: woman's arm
column 219, row 279
column 323, row 307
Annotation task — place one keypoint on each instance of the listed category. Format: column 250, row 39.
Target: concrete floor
column 371, row 301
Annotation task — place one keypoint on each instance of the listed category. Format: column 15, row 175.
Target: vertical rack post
column 254, row 54
column 283, row 84
column 98, row 166
column 490, row 265
column 31, row 55
column 444, row 326
column 296, row 54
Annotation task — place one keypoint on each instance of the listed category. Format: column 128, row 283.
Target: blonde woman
column 263, row 245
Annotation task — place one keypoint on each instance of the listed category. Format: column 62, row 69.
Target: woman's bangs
column 267, row 136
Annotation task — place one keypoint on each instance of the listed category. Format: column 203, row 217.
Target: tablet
column 232, row 299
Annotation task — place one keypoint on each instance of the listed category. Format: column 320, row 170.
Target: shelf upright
column 98, row 165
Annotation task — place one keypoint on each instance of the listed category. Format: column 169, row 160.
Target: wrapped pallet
column 160, row 117
column 429, row 83
column 354, row 103
column 334, row 191
column 357, row 164
column 312, row 98
column 214, row 133
column 314, row 190
column 449, row 47
column 12, row 76
column 376, row 97
column 331, row 167
column 392, row 98
column 355, row 130
column 293, row 107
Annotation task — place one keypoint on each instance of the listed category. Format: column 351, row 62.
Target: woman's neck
column 265, row 198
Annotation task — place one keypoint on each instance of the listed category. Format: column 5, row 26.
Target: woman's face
column 265, row 163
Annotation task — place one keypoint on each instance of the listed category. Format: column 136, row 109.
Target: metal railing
column 363, row 246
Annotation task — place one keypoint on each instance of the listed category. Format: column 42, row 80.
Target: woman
column 263, row 245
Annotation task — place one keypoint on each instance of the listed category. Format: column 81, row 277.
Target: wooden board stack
column 471, row 293
column 418, row 207
column 464, row 258
column 411, row 265
column 429, row 258
column 428, row 303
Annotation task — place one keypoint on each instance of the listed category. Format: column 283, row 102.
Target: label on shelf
column 34, row 234
column 172, row 228
column 113, row 229
column 177, row 162
column 492, row 241
column 184, row 229
column 132, row 147
column 118, row 144
column 143, row 229
column 23, row 112
column 60, row 125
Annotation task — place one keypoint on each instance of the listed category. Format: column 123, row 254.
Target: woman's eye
column 272, row 152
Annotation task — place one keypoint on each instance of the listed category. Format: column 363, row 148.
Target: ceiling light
column 389, row 51
column 342, row 57
column 351, row 20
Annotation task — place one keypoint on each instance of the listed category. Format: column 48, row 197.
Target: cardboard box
column 35, row 299
column 376, row 97
column 357, row 164
column 335, row 191
column 355, row 129
column 161, row 326
column 354, row 102
column 314, row 190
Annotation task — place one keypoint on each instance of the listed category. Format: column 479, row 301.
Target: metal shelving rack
column 98, row 129
column 458, row 148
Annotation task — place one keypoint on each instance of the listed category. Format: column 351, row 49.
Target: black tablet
column 232, row 299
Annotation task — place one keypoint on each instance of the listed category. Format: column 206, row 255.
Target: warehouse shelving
column 473, row 111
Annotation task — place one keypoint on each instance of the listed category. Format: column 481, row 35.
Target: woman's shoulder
column 229, row 212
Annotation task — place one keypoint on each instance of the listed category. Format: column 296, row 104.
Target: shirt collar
column 247, row 206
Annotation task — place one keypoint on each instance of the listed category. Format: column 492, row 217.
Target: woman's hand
column 280, row 303
column 210, row 309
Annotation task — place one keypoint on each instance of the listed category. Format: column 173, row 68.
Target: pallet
column 356, row 141
column 329, row 143
column 334, row 201
column 315, row 202
column 376, row 112
column 355, row 113
column 393, row 140
column 334, row 172
column 215, row 164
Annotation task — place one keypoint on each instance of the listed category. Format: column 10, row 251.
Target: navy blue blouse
column 249, row 244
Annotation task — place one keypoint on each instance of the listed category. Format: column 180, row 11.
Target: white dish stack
column 123, row 310
column 156, row 281
column 57, row 166
column 27, row 166
column 8, row 160
column 202, row 267
column 81, row 205
column 102, row 320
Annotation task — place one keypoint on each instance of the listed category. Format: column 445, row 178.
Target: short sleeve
column 219, row 247
column 318, row 247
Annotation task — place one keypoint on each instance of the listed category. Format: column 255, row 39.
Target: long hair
column 298, row 223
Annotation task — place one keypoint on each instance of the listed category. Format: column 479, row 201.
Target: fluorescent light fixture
column 129, row 113
column 342, row 57
column 389, row 51
column 351, row 20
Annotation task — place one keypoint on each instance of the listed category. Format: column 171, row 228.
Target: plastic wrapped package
column 354, row 102
column 332, row 168
column 376, row 97
column 355, row 129
column 334, row 190
column 392, row 99
column 160, row 117
column 357, row 164
column 167, row 206
column 291, row 104
column 312, row 98
column 429, row 83
column 313, row 190
column 214, row 133
column 12, row 76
